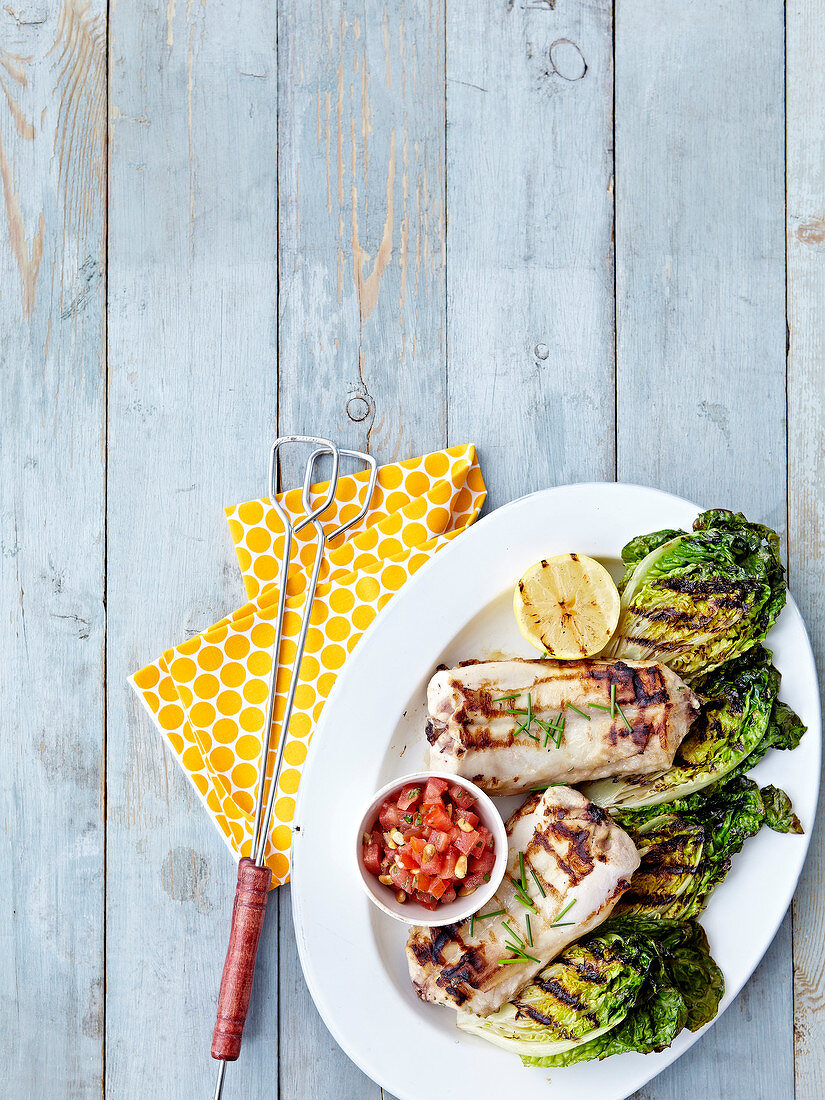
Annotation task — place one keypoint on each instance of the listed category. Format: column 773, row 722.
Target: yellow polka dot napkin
column 208, row 695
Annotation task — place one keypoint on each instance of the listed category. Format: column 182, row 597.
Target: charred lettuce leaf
column 785, row 730
column 591, row 987
column 686, row 847
column 700, row 598
column 739, row 713
column 632, row 985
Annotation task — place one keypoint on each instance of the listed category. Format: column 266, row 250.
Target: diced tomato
column 465, row 842
column 372, row 857
column 410, row 796
column 451, row 857
column 469, row 817
column 439, row 840
column 483, row 864
column 463, row 799
column 402, row 879
column 474, row 881
column 418, row 844
column 437, row 887
column 415, row 826
column 434, row 790
column 434, row 866
column 437, row 817
column 389, row 816
column 424, row 881
column 427, row 816
column 426, row 900
column 408, row 858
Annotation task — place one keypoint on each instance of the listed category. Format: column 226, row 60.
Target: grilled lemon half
column 567, row 606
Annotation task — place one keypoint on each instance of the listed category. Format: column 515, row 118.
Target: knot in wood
column 358, row 408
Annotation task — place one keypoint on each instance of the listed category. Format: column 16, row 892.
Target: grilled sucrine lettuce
column 633, row 985
column 740, row 720
column 687, row 846
column 696, row 599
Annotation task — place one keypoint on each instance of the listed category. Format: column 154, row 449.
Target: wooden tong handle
column 248, row 913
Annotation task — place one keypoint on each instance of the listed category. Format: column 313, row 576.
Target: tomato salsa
column 428, row 845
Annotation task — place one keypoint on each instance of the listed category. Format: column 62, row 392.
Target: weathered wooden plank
column 52, row 446
column 192, row 405
column 805, row 84
column 529, row 245
column 701, row 350
column 361, row 305
column 361, row 214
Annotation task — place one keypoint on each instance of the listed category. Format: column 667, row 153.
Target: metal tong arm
column 254, row 877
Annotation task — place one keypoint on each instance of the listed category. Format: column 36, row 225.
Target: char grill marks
column 577, row 861
column 637, row 689
column 515, row 724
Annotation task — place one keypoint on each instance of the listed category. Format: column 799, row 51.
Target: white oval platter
column 459, row 606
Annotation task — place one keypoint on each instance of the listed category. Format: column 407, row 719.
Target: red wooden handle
column 239, row 969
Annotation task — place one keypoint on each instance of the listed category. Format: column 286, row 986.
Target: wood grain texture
column 805, row 83
column 701, row 351
column 529, row 245
column 192, row 404
column 279, row 259
column 361, row 305
column 362, row 223
column 52, row 545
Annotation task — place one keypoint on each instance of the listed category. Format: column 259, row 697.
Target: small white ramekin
column 410, row 911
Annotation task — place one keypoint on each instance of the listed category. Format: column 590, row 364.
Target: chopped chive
column 521, row 957
column 612, row 700
column 538, row 882
column 547, row 786
column 495, row 913
column 521, row 868
column 504, row 698
column 512, row 710
column 529, row 932
column 515, row 935
column 598, row 706
column 566, row 909
column 624, row 717
column 581, row 712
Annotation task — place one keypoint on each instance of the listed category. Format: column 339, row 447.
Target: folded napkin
column 208, row 695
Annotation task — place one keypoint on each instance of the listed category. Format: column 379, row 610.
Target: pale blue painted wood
column 805, row 84
column 529, row 242
column 701, row 353
column 362, row 224
column 192, row 406
column 52, row 547
column 361, row 306
column 195, row 193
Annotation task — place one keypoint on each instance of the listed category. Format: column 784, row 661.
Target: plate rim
column 815, row 724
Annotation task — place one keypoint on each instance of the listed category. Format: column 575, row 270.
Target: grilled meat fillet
column 492, row 721
column 577, row 863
